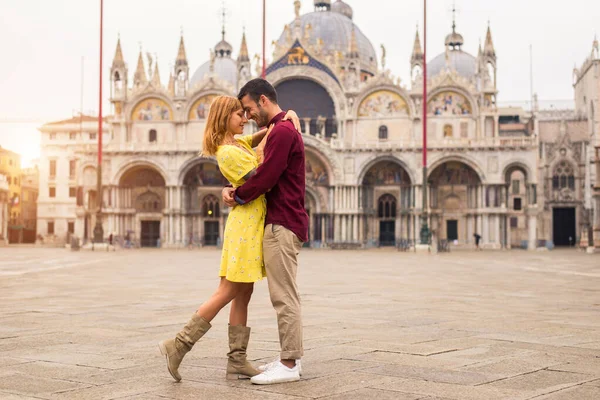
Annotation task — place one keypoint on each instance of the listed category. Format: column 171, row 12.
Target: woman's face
column 237, row 122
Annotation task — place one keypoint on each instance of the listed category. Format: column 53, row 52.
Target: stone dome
column 225, row 68
column 342, row 8
column 464, row 64
column 223, row 49
column 335, row 30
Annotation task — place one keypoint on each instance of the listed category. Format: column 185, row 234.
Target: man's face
column 254, row 111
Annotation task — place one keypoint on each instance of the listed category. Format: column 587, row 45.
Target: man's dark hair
column 256, row 88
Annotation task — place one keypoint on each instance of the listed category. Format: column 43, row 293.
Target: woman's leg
column 238, row 315
column 226, row 292
column 238, row 366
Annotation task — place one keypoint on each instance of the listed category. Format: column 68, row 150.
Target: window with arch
column 148, row 202
column 563, row 177
column 211, row 207
column 386, row 206
column 152, row 135
column 383, row 132
column 448, row 131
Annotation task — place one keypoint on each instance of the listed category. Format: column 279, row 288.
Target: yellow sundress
column 242, row 256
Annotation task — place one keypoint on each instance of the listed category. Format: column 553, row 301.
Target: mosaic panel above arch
column 316, row 172
column 204, row 174
column 383, row 103
column 454, row 173
column 449, row 103
column 200, row 108
column 386, row 173
column 152, row 109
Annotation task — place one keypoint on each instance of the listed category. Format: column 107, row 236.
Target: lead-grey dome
column 342, row 8
column 225, row 68
column 463, row 63
column 335, row 30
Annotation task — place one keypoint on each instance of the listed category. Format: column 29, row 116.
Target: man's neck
column 276, row 111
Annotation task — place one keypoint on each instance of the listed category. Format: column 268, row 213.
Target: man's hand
column 228, row 199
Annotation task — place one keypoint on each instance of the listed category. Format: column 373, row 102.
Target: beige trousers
column 281, row 248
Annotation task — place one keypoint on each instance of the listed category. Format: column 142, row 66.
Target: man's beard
column 262, row 118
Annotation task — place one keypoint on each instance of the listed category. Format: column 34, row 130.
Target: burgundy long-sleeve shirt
column 283, row 173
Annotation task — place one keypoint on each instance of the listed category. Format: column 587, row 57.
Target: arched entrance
column 386, row 213
column 142, row 192
column 453, row 201
column 312, row 103
column 564, row 204
column 203, row 214
column 387, row 201
column 317, row 188
column 517, row 200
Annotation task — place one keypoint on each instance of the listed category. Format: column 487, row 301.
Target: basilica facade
column 362, row 130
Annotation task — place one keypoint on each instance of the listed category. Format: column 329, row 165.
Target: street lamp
column 98, row 230
column 425, row 233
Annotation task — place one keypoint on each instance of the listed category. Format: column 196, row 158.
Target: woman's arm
column 260, row 135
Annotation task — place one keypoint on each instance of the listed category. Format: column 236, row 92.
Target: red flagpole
column 425, row 85
column 264, row 60
column 100, row 97
column 425, row 233
column 98, row 229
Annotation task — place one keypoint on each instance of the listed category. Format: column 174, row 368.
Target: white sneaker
column 279, row 373
column 272, row 364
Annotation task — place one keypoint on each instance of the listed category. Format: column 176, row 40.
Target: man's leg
column 281, row 249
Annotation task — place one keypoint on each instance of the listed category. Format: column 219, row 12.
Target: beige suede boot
column 238, row 366
column 175, row 349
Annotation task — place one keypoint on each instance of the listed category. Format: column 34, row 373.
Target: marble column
column 532, row 232
column 498, row 237
column 508, row 233
column 486, row 229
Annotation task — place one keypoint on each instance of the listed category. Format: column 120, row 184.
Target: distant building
column 4, row 204
column 29, row 196
column 10, row 166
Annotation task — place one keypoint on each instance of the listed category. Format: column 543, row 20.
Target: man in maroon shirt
column 281, row 177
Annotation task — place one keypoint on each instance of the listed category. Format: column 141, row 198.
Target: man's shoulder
column 285, row 128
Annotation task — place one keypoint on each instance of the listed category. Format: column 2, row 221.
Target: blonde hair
column 217, row 123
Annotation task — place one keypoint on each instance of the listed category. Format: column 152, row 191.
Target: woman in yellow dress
column 242, row 257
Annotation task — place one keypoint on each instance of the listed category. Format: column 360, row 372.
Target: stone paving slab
column 378, row 325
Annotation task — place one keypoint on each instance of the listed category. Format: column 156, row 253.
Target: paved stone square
column 378, row 325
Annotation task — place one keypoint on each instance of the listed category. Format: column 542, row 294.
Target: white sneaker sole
column 263, row 368
column 283, row 380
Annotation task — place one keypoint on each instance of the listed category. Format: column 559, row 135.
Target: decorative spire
column 118, row 61
column 139, row 77
column 417, row 54
column 224, row 17
column 488, row 49
column 243, row 56
column 181, row 56
column 454, row 40
column 353, row 45
column 171, row 86
column 156, row 76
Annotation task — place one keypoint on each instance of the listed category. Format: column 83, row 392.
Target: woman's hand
column 291, row 115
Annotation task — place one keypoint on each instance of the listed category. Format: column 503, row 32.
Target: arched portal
column 142, row 196
column 454, row 189
column 387, row 200
column 204, row 220
column 313, row 104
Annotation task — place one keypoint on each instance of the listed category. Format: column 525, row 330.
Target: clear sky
column 42, row 44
